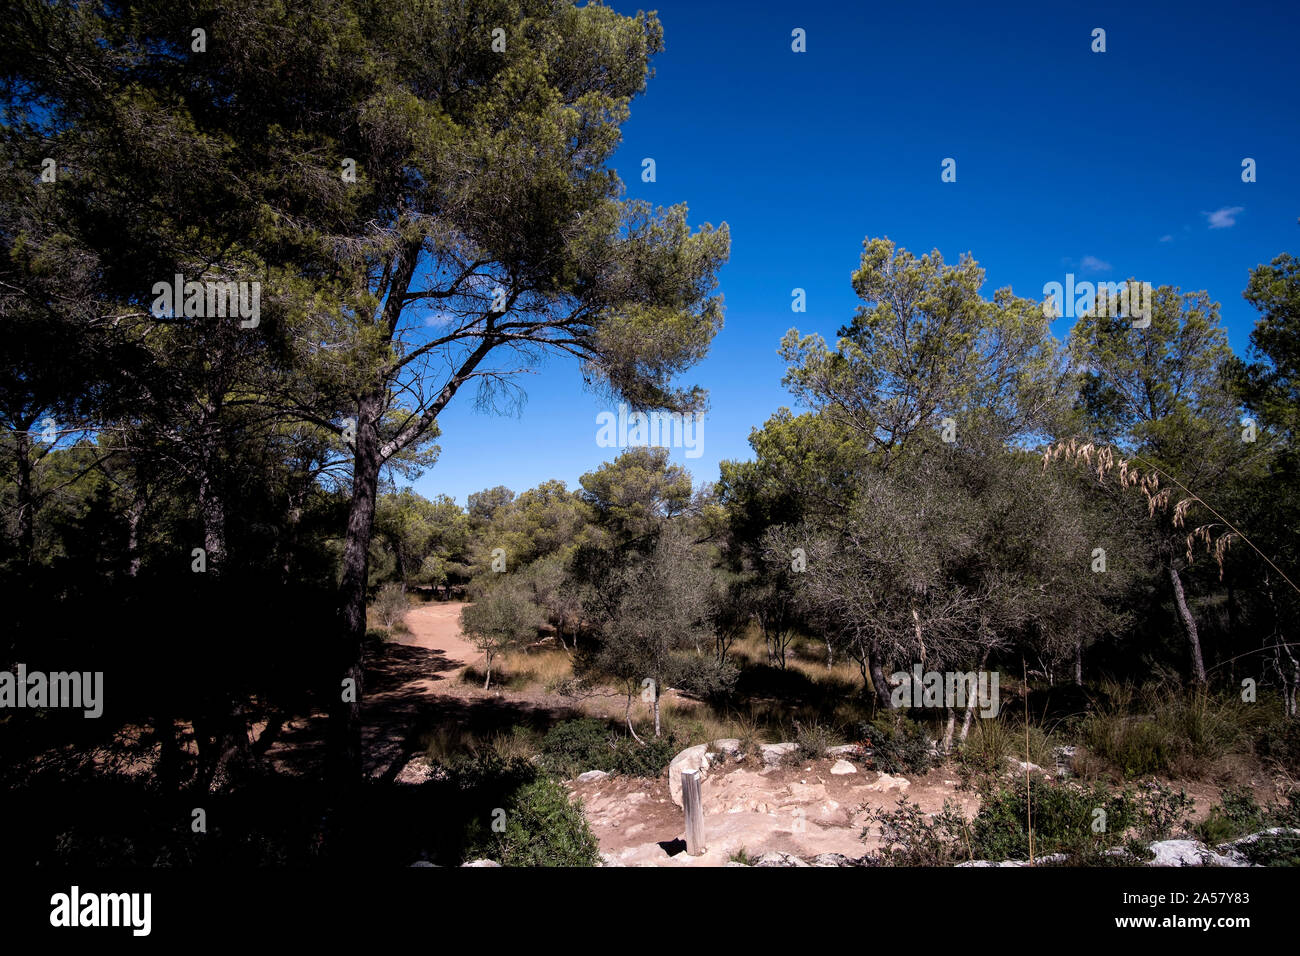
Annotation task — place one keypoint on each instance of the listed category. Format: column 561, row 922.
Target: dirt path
column 436, row 627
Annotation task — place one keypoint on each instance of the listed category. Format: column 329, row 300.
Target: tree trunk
column 878, row 681
column 25, row 498
column 656, row 706
column 212, row 512
column 1078, row 663
column 627, row 715
column 971, row 702
column 133, row 536
column 1189, row 624
column 345, row 764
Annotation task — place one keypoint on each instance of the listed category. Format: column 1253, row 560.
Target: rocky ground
column 766, row 803
column 772, row 808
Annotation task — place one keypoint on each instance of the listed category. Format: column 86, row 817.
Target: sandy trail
column 436, row 627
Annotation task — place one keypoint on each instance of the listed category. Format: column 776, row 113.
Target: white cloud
column 1223, row 218
column 1093, row 264
column 1166, row 238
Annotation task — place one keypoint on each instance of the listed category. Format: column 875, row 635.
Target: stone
column 779, row 859
column 773, row 754
column 848, row 750
column 832, row 859
column 1188, row 853
column 841, row 767
column 592, row 775
column 692, row 758
column 481, row 863
column 886, row 782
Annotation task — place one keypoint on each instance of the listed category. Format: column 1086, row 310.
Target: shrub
column 574, row 746
column 644, row 760
column 542, row 828
column 1236, row 814
column 391, row 605
column 1133, row 746
column 706, row 677
column 987, row 747
column 1179, row 733
column 910, row 838
column 1278, row 743
column 814, row 739
column 1064, row 816
column 899, row 745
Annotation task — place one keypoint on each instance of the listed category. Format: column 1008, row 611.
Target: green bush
column 1065, row 821
column 1278, row 743
column 542, row 828
column 987, row 747
column 1134, row 746
column 574, row 746
column 912, row 838
column 898, row 744
column 1236, row 814
column 1167, row 731
column 643, row 760
column 706, row 677
column 814, row 739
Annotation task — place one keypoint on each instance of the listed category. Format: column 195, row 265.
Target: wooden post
column 694, row 808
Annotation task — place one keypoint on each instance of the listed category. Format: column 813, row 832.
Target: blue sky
column 1107, row 165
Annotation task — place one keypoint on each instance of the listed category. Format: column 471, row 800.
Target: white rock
column 846, row 750
column 727, row 745
column 841, row 767
column 692, row 758
column 416, row 772
column 592, row 775
column 774, row 753
column 779, row 859
column 886, row 782
column 481, row 863
column 1187, row 853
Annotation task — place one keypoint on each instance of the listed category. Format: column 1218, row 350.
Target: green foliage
column 1080, row 822
column 500, row 619
column 706, row 677
column 1166, row 731
column 391, row 604
column 912, row 838
column 1278, row 743
column 542, row 828
column 1236, row 814
column 898, row 744
column 814, row 737
column 572, row 747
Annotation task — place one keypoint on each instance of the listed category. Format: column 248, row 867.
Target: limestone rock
column 1188, row 853
column 692, row 758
